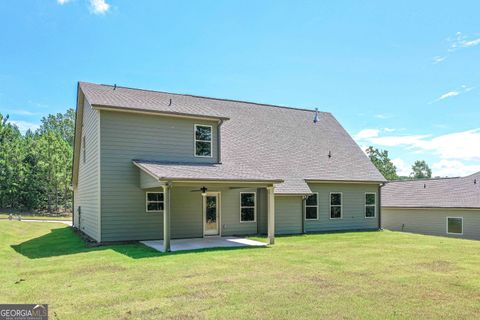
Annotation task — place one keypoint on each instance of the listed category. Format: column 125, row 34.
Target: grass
column 38, row 217
column 369, row 275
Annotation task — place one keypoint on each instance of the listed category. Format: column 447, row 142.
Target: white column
column 271, row 215
column 166, row 218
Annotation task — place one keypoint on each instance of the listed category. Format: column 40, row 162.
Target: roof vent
column 329, row 154
column 114, row 86
column 424, row 186
column 474, row 181
column 315, row 118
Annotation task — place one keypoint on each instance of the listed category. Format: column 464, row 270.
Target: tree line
column 381, row 160
column 36, row 167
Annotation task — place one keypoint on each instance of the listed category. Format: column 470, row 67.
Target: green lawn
column 38, row 217
column 369, row 275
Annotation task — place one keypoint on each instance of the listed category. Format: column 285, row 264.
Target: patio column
column 166, row 218
column 271, row 215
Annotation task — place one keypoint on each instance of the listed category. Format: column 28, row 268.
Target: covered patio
column 203, row 243
column 213, row 190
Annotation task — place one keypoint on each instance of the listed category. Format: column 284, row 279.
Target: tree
column 421, row 170
column 383, row 163
column 35, row 168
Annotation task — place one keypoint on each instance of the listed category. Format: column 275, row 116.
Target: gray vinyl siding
column 353, row 210
column 128, row 136
column 87, row 195
column 431, row 221
column 288, row 215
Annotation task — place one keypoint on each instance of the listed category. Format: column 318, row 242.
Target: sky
column 402, row 76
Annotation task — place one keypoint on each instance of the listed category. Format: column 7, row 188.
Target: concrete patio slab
column 203, row 243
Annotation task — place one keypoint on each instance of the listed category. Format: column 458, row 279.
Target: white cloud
column 402, row 168
column 367, row 133
column 463, row 89
column 453, row 168
column 62, row 2
column 383, row 116
column 99, row 6
column 438, row 59
column 23, row 126
column 453, row 146
column 389, row 129
column 462, row 41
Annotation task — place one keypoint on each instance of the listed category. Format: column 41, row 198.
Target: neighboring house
column 446, row 207
column 156, row 165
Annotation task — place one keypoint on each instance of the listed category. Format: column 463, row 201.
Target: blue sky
column 402, row 76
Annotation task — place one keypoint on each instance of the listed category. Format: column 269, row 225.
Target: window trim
column 254, row 206
column 306, row 206
column 147, row 202
column 336, row 205
column 371, row 205
column 454, row 233
column 195, row 140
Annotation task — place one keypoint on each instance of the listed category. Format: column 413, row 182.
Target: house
column 444, row 207
column 157, row 165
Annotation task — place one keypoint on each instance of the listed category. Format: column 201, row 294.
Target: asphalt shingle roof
column 435, row 193
column 279, row 142
column 164, row 170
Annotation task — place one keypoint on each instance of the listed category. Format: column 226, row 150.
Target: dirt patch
column 96, row 268
column 437, row 266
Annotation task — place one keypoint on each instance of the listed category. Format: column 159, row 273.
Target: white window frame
column 311, row 206
column 195, row 140
column 147, row 202
column 371, row 205
column 335, row 205
column 454, row 233
column 254, row 206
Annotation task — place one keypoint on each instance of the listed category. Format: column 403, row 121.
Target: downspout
column 380, row 206
column 219, row 142
column 304, row 199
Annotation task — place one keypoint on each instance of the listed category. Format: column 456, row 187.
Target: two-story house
column 157, row 165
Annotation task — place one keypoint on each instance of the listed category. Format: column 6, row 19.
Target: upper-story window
column 203, row 140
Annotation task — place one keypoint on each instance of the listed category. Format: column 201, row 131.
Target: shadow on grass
column 64, row 241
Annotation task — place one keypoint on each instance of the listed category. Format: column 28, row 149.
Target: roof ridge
column 425, row 179
column 207, row 97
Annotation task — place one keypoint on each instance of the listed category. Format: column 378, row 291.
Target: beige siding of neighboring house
column 353, row 207
column 87, row 193
column 431, row 221
column 128, row 136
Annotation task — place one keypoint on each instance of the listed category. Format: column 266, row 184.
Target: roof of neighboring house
column 463, row 192
column 180, row 171
column 277, row 141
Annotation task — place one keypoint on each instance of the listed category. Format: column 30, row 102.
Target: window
column 370, row 204
column 154, row 202
column 247, row 207
column 203, row 141
column 84, row 151
column 455, row 225
column 311, row 207
column 335, row 205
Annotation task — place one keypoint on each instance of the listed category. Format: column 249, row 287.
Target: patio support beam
column 271, row 214
column 166, row 217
